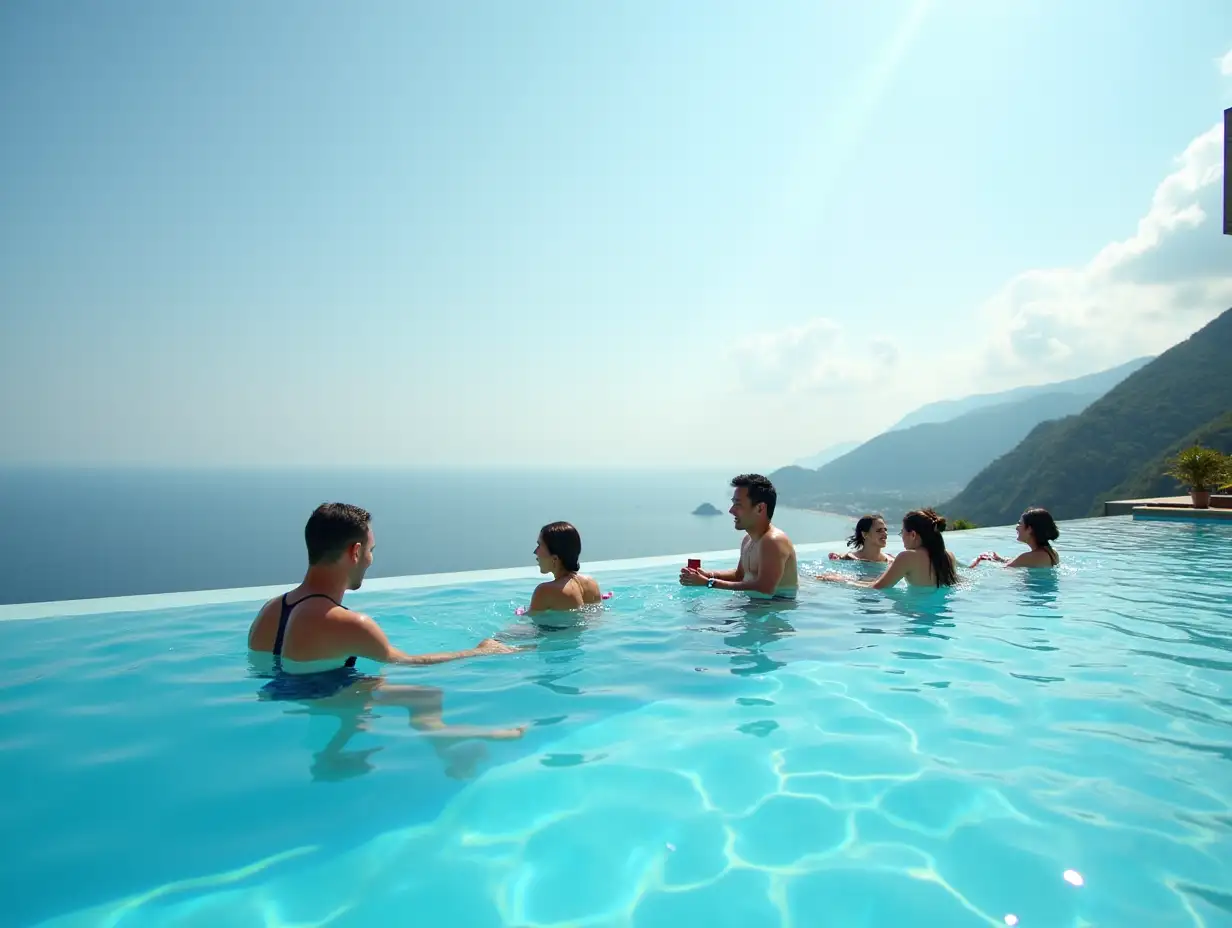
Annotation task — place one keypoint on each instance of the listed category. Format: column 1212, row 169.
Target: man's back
column 304, row 626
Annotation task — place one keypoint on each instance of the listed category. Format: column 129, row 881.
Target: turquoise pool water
column 857, row 759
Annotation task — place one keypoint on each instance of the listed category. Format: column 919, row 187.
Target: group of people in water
column 311, row 642
column 305, row 643
column 925, row 560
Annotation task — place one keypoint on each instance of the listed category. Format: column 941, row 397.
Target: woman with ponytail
column 557, row 553
column 1037, row 530
column 925, row 562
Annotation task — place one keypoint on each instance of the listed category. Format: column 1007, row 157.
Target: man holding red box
column 767, row 565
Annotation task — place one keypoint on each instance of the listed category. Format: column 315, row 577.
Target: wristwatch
column 710, row 583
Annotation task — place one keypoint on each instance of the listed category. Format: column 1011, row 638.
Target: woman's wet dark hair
column 862, row 528
column 1043, row 529
column 929, row 526
column 563, row 541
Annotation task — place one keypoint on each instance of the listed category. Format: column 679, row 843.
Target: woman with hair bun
column 557, row 553
column 925, row 562
column 868, row 540
column 1037, row 530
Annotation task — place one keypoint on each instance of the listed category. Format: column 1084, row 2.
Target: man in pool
column 309, row 632
column 767, row 565
column 310, row 641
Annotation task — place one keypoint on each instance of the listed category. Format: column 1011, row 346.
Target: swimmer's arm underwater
column 896, row 570
column 361, row 636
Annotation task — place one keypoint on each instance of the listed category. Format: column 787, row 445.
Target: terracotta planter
column 1201, row 499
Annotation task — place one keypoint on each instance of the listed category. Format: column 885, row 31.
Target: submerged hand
column 492, row 646
column 832, row 578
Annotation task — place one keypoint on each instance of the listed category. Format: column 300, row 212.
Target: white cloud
column 816, row 356
column 1225, row 64
column 1136, row 296
column 1175, row 205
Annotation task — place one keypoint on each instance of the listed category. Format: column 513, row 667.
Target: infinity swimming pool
column 1040, row 749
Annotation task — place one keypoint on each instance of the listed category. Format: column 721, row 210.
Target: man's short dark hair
column 332, row 528
column 759, row 489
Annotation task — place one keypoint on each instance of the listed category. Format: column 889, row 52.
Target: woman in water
column 557, row 552
column 925, row 562
column 1036, row 530
column 869, row 541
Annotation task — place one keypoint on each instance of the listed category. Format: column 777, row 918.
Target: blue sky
column 655, row 233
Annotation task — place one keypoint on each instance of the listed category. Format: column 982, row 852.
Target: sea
column 77, row 533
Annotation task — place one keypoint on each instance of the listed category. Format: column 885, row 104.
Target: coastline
column 822, row 512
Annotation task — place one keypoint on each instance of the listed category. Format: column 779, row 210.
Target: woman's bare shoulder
column 590, row 588
column 1040, row 558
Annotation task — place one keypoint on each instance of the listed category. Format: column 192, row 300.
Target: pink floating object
column 1073, row 877
column 607, row 595
column 1011, row 920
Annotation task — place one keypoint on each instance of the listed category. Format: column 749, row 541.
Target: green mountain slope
column 1071, row 465
column 931, row 460
column 1149, row 480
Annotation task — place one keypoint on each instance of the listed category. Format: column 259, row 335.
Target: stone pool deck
column 1178, row 508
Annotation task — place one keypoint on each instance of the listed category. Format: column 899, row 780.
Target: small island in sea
column 705, row 509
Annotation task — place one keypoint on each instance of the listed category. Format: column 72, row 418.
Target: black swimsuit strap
column 285, row 616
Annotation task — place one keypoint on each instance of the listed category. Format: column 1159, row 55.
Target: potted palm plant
column 1202, row 470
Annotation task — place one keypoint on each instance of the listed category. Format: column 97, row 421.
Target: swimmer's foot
column 507, row 734
column 465, row 732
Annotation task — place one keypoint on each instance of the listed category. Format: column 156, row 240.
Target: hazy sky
column 580, row 233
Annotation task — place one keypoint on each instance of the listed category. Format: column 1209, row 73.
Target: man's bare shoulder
column 324, row 614
column 265, row 625
column 268, row 608
column 344, row 616
column 778, row 538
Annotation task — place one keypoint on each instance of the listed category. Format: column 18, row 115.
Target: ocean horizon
column 87, row 532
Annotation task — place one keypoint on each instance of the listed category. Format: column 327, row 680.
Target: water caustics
column 1031, row 748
